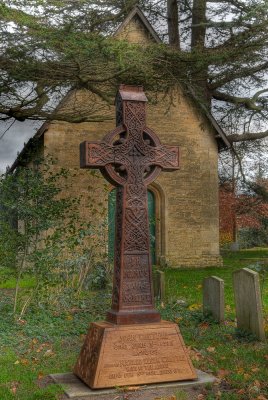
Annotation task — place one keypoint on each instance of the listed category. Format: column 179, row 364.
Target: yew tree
column 217, row 49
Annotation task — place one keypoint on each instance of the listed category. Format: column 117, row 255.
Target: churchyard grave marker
column 159, row 284
column 133, row 346
column 213, row 297
column 248, row 302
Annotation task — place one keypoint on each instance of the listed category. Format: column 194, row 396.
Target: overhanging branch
column 247, row 136
column 250, row 103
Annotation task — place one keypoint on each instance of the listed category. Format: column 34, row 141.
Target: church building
column 183, row 204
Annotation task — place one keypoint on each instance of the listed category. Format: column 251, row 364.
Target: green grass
column 186, row 284
column 8, row 280
column 48, row 340
column 26, row 282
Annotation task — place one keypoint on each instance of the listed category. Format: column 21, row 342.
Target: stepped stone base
column 75, row 389
column 114, row 355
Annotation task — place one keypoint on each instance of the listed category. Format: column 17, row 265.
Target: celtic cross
column 131, row 157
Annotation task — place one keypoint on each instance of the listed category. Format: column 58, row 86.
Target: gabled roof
column 136, row 12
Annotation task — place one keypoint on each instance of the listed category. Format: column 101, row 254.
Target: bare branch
column 250, row 103
column 247, row 136
column 236, row 73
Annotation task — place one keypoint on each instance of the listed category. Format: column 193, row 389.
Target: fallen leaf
column 22, row 321
column 40, row 375
column 181, row 302
column 261, row 397
column 255, row 369
column 240, row 370
column 254, row 390
column 14, row 387
column 246, row 376
column 200, row 397
column 194, row 306
column 241, row 391
column 204, row 325
column 211, row 349
column 194, row 354
column 17, row 362
column 222, row 373
column 48, row 353
column 132, row 388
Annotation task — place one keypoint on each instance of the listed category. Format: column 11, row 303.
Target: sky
column 13, row 140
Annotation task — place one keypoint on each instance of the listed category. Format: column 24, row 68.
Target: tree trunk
column 198, row 24
column 173, row 23
column 198, row 39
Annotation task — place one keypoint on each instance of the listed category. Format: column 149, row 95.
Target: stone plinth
column 75, row 389
column 115, row 355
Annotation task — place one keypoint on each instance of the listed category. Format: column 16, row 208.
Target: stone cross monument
column 133, row 346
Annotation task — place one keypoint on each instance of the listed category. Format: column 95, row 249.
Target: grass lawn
column 48, row 341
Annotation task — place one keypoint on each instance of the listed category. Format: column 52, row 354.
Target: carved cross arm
column 166, row 157
column 94, row 154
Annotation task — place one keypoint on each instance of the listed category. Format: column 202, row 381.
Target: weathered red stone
column 131, row 157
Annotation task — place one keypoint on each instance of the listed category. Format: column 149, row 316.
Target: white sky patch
column 14, row 139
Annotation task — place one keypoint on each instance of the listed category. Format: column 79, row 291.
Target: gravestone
column 159, row 284
column 234, row 246
column 248, row 302
column 213, row 297
column 133, row 346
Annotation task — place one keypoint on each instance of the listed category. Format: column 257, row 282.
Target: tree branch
column 240, row 73
column 247, row 136
column 250, row 103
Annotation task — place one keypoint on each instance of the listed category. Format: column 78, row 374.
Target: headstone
column 159, row 284
column 235, row 246
column 133, row 346
column 213, row 297
column 248, row 302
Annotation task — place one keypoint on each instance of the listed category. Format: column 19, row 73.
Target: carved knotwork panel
column 131, row 157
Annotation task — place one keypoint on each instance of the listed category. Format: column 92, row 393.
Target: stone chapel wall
column 189, row 221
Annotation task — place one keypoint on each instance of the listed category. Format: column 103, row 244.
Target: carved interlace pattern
column 118, row 240
column 134, row 117
column 129, row 162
